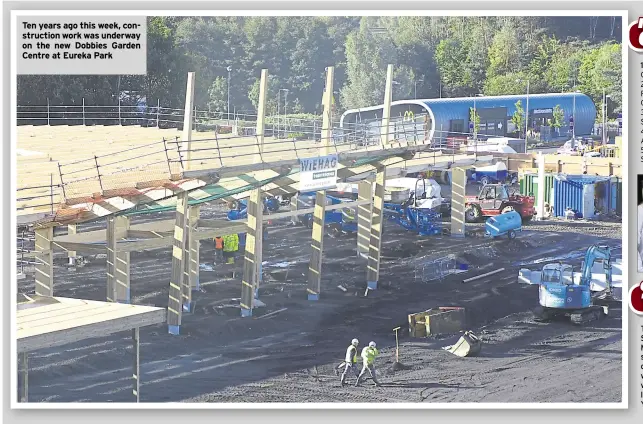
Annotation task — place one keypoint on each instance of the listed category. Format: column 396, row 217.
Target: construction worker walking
column 230, row 247
column 218, row 249
column 350, row 362
column 369, row 353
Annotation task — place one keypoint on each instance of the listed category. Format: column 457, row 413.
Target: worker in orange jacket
column 218, row 249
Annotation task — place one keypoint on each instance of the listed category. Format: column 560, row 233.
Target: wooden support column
column 44, row 261
column 188, row 119
column 261, row 115
column 458, row 193
column 179, row 256
column 364, row 192
column 386, row 112
column 377, row 221
column 24, row 376
column 195, row 244
column 118, row 263
column 317, row 245
column 327, row 117
column 136, row 371
column 253, row 257
column 72, row 229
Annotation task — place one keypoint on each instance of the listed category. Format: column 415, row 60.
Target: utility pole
column 527, row 116
column 229, row 69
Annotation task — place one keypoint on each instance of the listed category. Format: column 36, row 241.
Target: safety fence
column 120, row 114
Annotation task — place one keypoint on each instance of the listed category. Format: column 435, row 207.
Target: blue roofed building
column 437, row 119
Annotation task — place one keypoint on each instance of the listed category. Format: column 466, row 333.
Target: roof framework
column 46, row 322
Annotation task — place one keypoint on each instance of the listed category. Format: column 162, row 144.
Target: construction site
column 481, row 275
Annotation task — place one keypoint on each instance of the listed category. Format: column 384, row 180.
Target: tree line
column 433, row 57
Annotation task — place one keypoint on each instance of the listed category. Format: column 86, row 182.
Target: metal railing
column 165, row 158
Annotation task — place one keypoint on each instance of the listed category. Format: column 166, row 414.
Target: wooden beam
column 82, row 248
column 143, row 245
column 195, row 251
column 72, row 229
column 252, row 257
column 188, row 118
column 24, row 374
column 118, row 262
column 317, row 246
column 377, row 221
column 136, row 371
column 299, row 212
column 44, row 261
column 175, row 301
column 138, row 234
column 458, row 195
column 261, row 115
column 364, row 193
column 96, row 236
column 327, row 117
column 85, row 329
column 386, row 113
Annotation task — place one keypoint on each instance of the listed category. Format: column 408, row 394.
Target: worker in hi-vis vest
column 230, row 247
column 369, row 353
column 218, row 249
column 350, row 361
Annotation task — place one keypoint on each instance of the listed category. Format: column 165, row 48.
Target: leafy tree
column 451, row 56
column 504, row 52
column 558, row 117
column 218, row 94
column 518, row 118
column 475, row 118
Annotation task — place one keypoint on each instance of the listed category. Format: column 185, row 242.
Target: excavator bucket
column 468, row 345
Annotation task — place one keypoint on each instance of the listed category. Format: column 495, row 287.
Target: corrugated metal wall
column 609, row 196
column 529, row 186
column 567, row 194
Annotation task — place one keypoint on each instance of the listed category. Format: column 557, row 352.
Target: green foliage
column 451, row 56
column 218, row 94
column 518, row 118
column 511, row 83
column 559, row 115
column 475, row 118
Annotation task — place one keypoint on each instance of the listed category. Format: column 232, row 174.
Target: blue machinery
column 240, row 209
column 558, row 295
column 407, row 215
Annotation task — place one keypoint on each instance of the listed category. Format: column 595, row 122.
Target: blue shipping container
column 576, row 192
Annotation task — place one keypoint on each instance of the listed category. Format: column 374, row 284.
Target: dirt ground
column 290, row 356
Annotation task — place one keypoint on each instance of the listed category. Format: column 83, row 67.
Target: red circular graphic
column 636, row 299
column 635, row 35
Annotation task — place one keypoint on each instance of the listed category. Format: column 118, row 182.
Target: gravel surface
column 290, row 356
